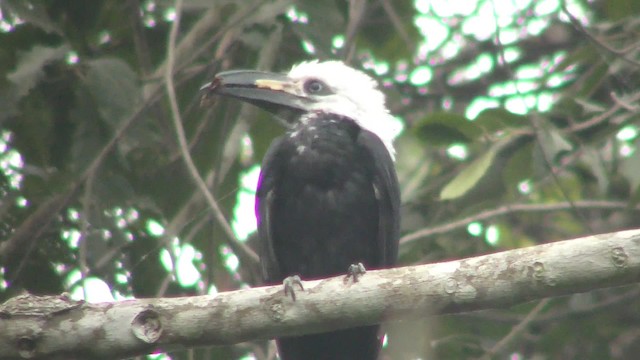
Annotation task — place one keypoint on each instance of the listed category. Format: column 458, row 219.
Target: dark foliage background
column 515, row 134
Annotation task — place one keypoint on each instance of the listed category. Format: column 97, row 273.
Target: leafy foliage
column 507, row 111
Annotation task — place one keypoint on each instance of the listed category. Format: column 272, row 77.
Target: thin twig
column 357, row 8
column 241, row 249
column 515, row 208
column 604, row 116
column 534, row 121
column 576, row 23
column 398, row 24
column 516, row 330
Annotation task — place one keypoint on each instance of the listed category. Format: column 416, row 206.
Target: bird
column 328, row 200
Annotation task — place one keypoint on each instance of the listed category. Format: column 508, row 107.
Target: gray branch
column 52, row 327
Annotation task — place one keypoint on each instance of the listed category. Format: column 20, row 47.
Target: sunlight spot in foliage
column 308, row 47
column 73, row 214
column 381, row 68
column 188, row 274
column 482, row 24
column 545, row 101
column 509, row 36
column 230, row 259
column 73, row 277
column 249, row 356
column 546, row 7
column 104, row 37
column 452, row 8
column 244, row 219
column 433, row 30
column 297, row 16
column 401, row 72
column 528, row 71
column 483, row 64
column 396, row 127
column 131, row 215
column 627, row 133
column 338, row 41
column 160, row 356
column 11, row 163
column 3, row 146
column 3, row 282
column 457, row 151
column 92, row 289
column 166, row 258
column 420, row 75
column 451, row 49
column 511, row 54
column 59, row 268
column 5, row 26
column 524, row 187
column 170, row 14
column 521, row 104
column 149, row 5
column 9, row 21
column 557, row 80
column 535, row 26
column 154, row 228
column 423, row 6
column 246, row 149
column 492, row 236
column 72, row 237
column 213, row 290
column 480, row 104
column 121, row 278
column 447, row 103
column 72, row 57
column 626, row 150
column 22, row 202
column 149, row 21
column 475, row 228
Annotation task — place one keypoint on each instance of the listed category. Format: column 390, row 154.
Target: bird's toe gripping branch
column 289, row 284
column 355, row 271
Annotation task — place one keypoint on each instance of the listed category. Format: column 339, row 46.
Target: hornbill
column 328, row 194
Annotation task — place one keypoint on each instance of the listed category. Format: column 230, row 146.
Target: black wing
column 385, row 184
column 264, row 203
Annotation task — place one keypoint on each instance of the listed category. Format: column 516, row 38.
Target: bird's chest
column 324, row 154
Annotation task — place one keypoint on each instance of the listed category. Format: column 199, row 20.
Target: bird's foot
column 289, row 282
column 355, row 271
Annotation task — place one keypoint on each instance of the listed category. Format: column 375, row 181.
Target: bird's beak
column 273, row 92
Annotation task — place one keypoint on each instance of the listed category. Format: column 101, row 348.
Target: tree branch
column 512, row 209
column 57, row 327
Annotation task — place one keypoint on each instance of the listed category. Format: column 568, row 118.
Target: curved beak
column 276, row 93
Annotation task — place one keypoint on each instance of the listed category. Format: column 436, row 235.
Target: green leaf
column 469, row 176
column 552, row 142
column 33, row 13
column 114, row 86
column 494, row 119
column 444, row 128
column 590, row 107
column 593, row 159
column 518, row 167
column 30, row 65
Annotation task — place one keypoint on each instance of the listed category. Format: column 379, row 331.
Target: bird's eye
column 314, row 86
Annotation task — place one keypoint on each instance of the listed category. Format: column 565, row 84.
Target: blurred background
column 517, row 125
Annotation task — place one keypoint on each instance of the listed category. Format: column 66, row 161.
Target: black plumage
column 327, row 197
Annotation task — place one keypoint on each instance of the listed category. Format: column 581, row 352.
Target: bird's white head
column 342, row 90
column 329, row 86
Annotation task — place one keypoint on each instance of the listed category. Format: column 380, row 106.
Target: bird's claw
column 355, row 271
column 289, row 282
